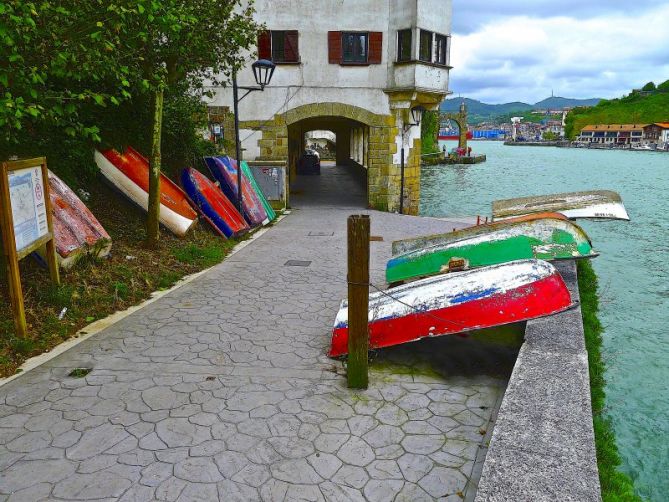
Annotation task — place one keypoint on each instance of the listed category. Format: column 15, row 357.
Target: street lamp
column 416, row 116
column 263, row 70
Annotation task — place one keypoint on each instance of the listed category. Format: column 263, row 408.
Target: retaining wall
column 543, row 445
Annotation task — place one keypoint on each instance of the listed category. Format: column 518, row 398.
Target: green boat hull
column 568, row 242
column 271, row 214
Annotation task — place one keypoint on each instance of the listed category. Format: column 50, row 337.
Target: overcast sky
column 520, row 50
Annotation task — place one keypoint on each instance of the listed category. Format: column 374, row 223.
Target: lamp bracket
column 249, row 90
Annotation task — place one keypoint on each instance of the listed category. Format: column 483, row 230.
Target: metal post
column 358, row 301
column 402, row 177
column 238, row 150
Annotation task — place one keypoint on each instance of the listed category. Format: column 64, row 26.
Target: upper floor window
column 404, row 45
column 425, row 51
column 354, row 47
column 281, row 46
column 441, row 49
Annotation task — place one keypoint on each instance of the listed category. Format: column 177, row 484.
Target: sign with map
column 29, row 211
column 25, row 226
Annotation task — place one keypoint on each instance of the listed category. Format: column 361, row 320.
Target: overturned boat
column 594, row 204
column 76, row 230
column 458, row 303
column 415, row 243
column 214, row 206
column 129, row 173
column 544, row 238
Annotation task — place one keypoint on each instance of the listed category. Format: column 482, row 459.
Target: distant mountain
column 478, row 111
column 556, row 102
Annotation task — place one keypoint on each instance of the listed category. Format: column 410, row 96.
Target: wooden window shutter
column 291, row 50
column 375, row 47
column 264, row 45
column 334, row 47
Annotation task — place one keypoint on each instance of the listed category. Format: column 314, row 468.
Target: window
column 441, row 47
column 425, row 52
column 281, row 46
column 354, row 47
column 404, row 45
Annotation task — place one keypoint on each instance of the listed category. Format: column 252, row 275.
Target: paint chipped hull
column 595, row 204
column 77, row 231
column 129, row 173
column 544, row 238
column 215, row 207
column 458, row 303
column 224, row 170
column 407, row 245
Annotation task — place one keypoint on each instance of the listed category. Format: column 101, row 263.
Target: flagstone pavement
column 222, row 390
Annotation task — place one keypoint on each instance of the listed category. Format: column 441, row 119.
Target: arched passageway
column 343, row 181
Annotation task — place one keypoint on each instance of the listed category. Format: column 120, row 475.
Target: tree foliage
column 429, row 130
column 57, row 56
column 650, row 86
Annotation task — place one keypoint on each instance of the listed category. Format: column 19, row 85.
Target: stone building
column 353, row 67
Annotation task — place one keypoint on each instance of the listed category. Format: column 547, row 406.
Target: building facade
column 352, row 67
column 613, row 134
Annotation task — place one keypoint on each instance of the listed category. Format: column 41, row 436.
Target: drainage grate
column 297, row 263
column 320, row 234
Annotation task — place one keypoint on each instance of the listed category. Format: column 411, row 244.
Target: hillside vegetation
column 636, row 108
column 478, row 111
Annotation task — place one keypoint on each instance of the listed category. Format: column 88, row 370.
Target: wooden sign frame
column 12, row 255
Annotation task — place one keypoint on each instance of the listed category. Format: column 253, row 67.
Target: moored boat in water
column 594, row 204
column 224, row 170
column 543, row 238
column 129, row 173
column 76, row 230
column 458, row 303
column 215, row 207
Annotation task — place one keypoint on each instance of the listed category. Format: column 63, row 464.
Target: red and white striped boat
column 129, row 172
column 458, row 302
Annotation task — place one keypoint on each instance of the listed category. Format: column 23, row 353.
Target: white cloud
column 524, row 58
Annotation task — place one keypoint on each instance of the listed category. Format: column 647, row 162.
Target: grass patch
column 616, row 485
column 79, row 372
column 96, row 288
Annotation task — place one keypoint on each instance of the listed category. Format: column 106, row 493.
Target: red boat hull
column 546, row 296
column 76, row 229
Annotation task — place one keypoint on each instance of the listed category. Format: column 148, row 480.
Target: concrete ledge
column 543, row 445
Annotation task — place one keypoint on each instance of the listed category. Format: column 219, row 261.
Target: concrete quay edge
column 543, row 446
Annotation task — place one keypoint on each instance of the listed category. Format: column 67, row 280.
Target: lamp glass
column 263, row 70
column 417, row 114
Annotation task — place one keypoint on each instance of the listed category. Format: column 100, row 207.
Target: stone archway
column 459, row 118
column 380, row 132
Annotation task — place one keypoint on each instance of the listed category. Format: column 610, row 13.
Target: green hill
column 478, row 111
column 636, row 108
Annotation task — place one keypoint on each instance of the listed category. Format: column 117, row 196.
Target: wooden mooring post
column 358, row 301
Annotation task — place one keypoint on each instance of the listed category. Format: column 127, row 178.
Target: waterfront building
column 352, row 67
column 612, row 134
column 657, row 134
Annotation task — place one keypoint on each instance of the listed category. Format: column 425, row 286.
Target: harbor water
column 633, row 271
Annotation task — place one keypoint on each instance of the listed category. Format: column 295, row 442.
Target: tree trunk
column 153, row 219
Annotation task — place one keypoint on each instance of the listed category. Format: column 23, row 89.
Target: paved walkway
column 222, row 390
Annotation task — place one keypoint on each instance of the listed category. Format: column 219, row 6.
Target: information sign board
column 25, row 224
column 26, row 193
